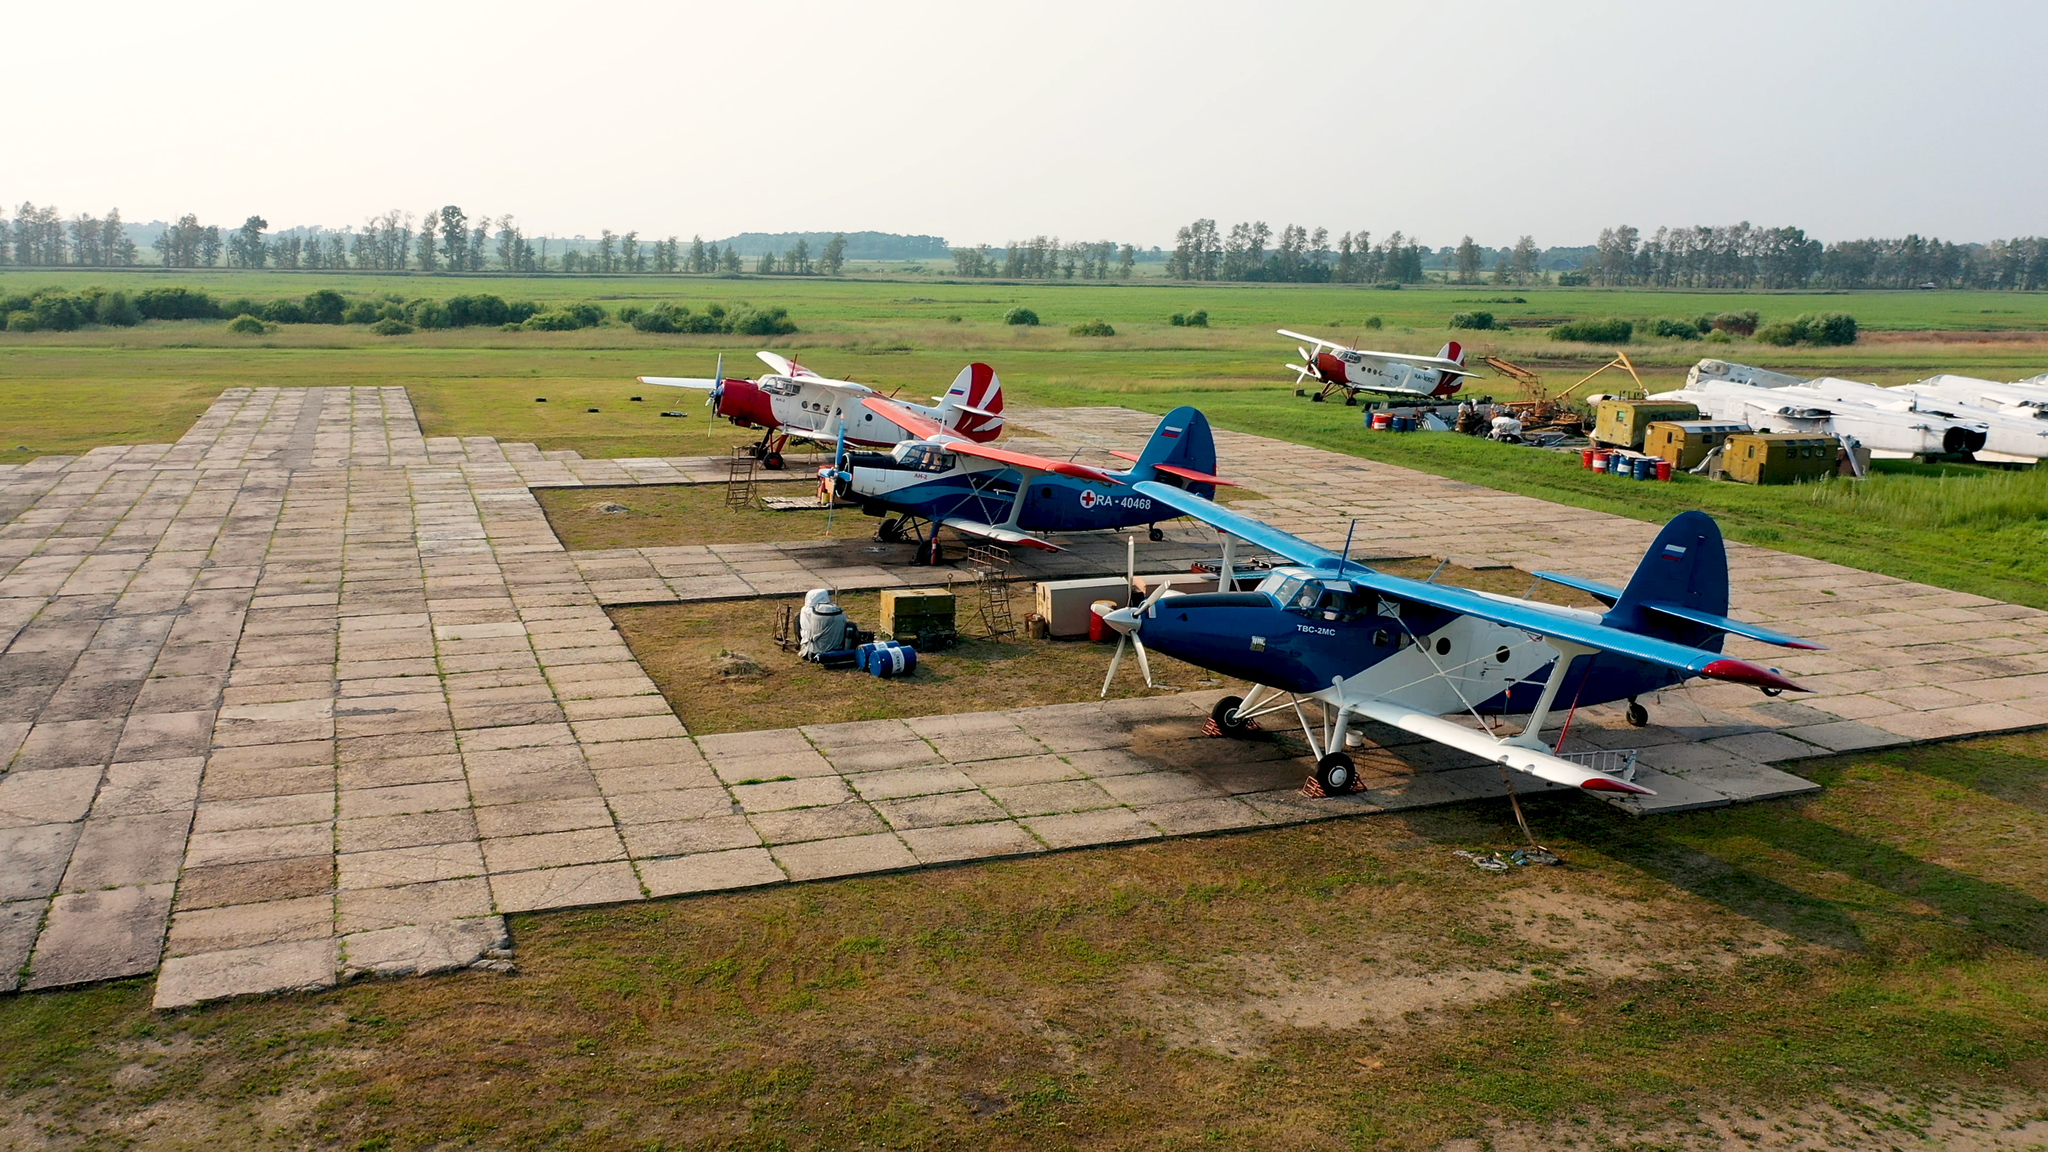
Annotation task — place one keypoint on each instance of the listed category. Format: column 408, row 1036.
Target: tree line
column 442, row 239
column 1202, row 252
column 1046, row 258
column 1745, row 256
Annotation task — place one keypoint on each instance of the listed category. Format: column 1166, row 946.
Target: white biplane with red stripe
column 795, row 402
column 1331, row 367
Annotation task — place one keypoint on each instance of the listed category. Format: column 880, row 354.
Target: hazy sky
column 983, row 122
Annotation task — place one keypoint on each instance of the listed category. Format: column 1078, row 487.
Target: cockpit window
column 924, row 457
column 780, row 387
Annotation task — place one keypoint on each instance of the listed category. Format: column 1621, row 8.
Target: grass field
column 1849, row 969
column 1863, row 962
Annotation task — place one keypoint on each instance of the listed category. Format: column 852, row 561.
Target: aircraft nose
column 1124, row 620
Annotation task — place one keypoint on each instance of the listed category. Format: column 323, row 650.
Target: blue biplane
column 1409, row 652
column 943, row 480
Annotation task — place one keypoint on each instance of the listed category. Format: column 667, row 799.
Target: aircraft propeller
column 717, row 391
column 1126, row 620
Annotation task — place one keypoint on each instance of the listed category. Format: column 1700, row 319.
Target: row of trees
column 40, row 236
column 1201, row 252
column 1046, row 258
column 1745, row 256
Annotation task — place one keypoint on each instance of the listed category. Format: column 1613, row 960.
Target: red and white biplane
column 1333, row 367
column 795, row 402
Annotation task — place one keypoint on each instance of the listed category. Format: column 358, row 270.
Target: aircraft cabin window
column 1443, row 646
column 781, row 387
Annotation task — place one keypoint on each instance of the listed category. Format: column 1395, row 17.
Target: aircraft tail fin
column 1686, row 568
column 1452, row 351
column 973, row 405
column 1182, row 442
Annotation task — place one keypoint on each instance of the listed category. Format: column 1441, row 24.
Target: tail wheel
column 772, row 461
column 1227, row 720
column 891, row 531
column 1156, row 534
column 929, row 553
column 1637, row 715
column 1336, row 773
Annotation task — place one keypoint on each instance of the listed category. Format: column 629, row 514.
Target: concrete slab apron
column 307, row 695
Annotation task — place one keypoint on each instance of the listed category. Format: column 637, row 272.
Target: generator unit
column 921, row 617
column 1779, row 457
column 1622, row 423
column 1686, row 442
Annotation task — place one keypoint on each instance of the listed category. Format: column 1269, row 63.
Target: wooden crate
column 1779, row 457
column 912, row 614
column 1686, row 442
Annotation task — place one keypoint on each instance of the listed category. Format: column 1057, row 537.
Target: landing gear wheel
column 1637, row 715
column 1156, row 534
column 1336, row 773
column 890, row 531
column 1227, row 720
column 929, row 553
column 1774, row 691
column 772, row 461
column 1318, row 397
column 1351, row 401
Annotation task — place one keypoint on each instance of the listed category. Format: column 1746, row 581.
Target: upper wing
column 783, row 365
column 1315, row 340
column 1514, row 614
column 678, row 382
column 1441, row 364
column 932, row 430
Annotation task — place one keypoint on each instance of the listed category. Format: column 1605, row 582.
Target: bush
column 177, row 304
column 1024, row 316
column 1717, row 336
column 751, row 322
column 1092, row 328
column 240, row 306
column 556, row 321
column 1196, row 319
column 1736, row 323
column 1477, row 320
column 1612, row 330
column 246, row 325
column 360, row 312
column 652, row 320
column 324, row 307
column 465, row 311
column 1828, row 328
column 116, row 310
column 1375, row 323
column 1573, row 280
column 390, row 326
column 1676, row 329
column 1388, row 285
column 284, row 312
column 21, row 320
column 58, row 312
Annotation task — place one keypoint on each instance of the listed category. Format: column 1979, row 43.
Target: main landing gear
column 769, row 450
column 1336, row 772
column 899, row 529
column 1156, row 534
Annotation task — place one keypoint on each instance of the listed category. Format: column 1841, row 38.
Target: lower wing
column 1542, row 765
column 678, row 382
column 968, row 527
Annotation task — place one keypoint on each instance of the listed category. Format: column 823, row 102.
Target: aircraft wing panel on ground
column 678, row 382
column 1542, row 765
column 968, row 527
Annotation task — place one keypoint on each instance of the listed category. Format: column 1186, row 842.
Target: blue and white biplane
column 943, row 480
column 1408, row 653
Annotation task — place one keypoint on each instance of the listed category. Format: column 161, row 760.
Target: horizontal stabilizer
column 1737, row 627
column 968, row 527
column 1605, row 593
column 1191, row 474
column 1540, row 764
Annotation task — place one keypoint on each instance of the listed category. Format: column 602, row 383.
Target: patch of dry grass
column 673, row 515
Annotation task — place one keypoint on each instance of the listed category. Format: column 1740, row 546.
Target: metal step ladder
column 991, row 565
column 739, row 478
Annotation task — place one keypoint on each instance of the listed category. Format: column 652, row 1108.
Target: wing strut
column 1532, row 736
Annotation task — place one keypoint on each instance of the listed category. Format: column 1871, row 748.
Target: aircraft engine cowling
column 743, row 403
column 1957, row 441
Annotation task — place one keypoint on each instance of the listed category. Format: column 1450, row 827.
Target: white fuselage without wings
column 1774, row 402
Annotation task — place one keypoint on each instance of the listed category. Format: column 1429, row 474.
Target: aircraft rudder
column 1686, row 566
column 976, row 387
column 1182, row 438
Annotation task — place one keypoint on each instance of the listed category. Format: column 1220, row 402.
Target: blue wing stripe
column 1245, row 528
column 1593, row 588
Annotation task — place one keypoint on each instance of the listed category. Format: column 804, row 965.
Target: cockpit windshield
column 779, row 386
column 923, row 457
column 1323, row 599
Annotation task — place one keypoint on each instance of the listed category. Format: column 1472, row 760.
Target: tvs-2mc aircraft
column 793, row 401
column 942, row 480
column 1407, row 652
column 1332, row 368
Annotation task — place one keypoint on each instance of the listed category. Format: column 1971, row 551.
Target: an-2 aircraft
column 1332, row 368
column 942, row 480
column 793, row 401
column 1408, row 652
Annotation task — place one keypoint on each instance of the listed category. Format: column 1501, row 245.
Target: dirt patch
column 1978, row 1121
column 1533, row 934
column 670, row 515
column 690, row 651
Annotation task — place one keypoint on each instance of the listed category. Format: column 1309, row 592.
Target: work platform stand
column 991, row 566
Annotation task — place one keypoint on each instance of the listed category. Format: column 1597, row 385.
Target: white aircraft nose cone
column 1123, row 619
